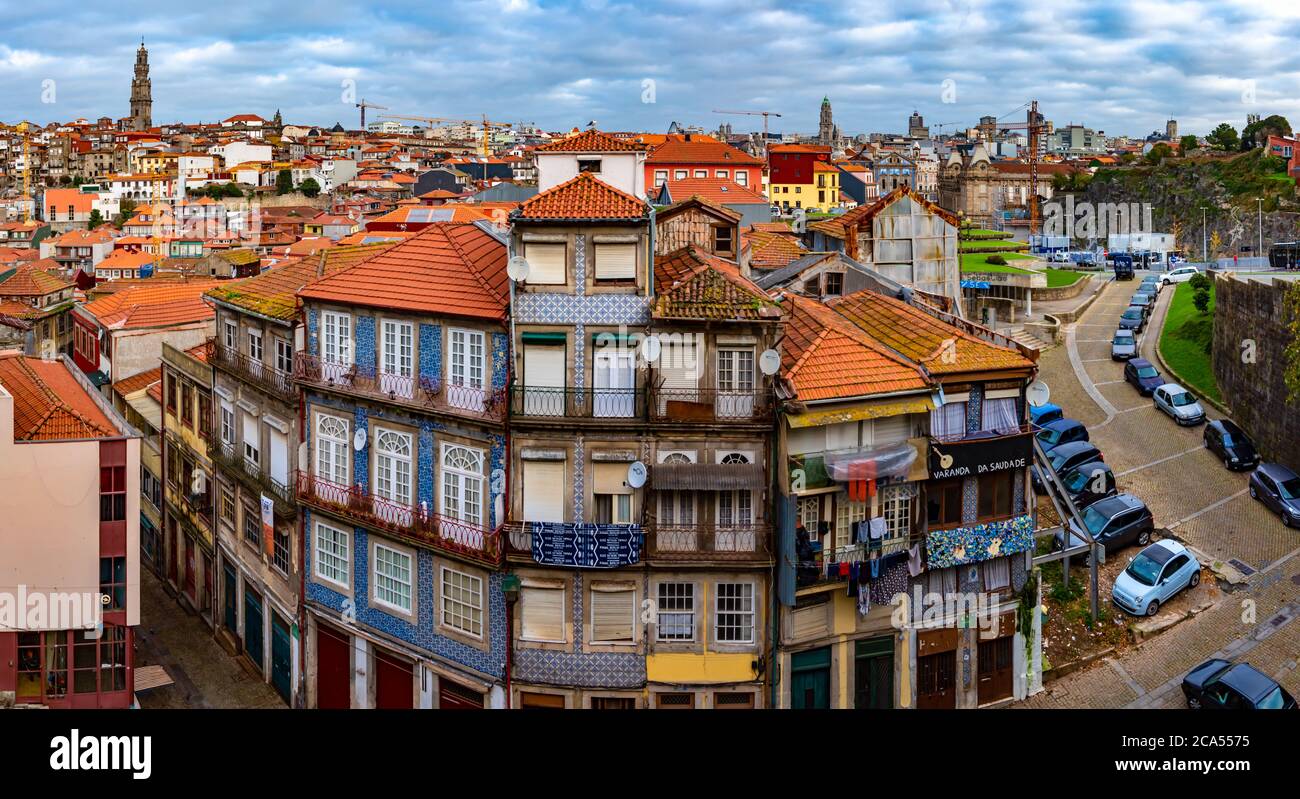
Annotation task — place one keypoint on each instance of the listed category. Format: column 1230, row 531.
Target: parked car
column 1062, row 431
column 1144, row 301
column 1180, row 275
column 1179, row 403
column 1219, row 684
column 1066, row 457
column 1152, row 283
column 1229, row 442
column 1133, row 318
column 1114, row 522
column 1123, row 346
column 1088, row 483
column 1044, row 414
column 1154, row 576
column 1279, row 489
column 1143, row 376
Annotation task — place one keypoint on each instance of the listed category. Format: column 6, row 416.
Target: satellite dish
column 636, row 474
column 651, row 349
column 359, row 440
column 517, row 268
column 1037, row 393
column 769, row 363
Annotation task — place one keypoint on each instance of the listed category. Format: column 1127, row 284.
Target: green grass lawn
column 983, row 233
column 1057, row 278
column 1186, row 341
column 979, row 262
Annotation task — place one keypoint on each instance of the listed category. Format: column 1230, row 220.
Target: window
column 252, row 441
column 112, row 582
column 466, row 368
column 612, row 615
column 948, row 420
column 680, row 174
column 613, row 703
column 616, row 262
column 336, row 342
column 661, row 177
column 462, row 602
column 393, row 466
column 896, row 507
column 187, row 405
column 721, row 173
column 676, row 604
column 701, row 173
column 280, row 556
column 997, row 573
column 995, row 492
column 332, row 554
column 228, row 506
column 943, row 503
column 999, row 415
column 283, row 355
column 112, row 493
column 734, row 613
column 834, row 284
column 151, row 487
column 205, row 414
column 230, row 336
column 543, row 613
column 723, row 239
column 847, row 514
column 332, row 449
column 810, row 513
column 170, row 390
column 591, row 165
column 253, row 526
column 462, row 484
column 742, row 177
column 392, row 578
column 735, row 370
column 255, row 346
column 544, row 491
column 547, row 263
column 397, row 358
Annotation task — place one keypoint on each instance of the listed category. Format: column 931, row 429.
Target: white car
column 1180, row 275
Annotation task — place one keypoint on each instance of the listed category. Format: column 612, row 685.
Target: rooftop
column 143, row 306
column 50, row 404
column 273, row 293
column 693, row 284
column 584, row 197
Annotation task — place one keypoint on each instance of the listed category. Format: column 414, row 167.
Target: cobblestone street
column 1198, row 502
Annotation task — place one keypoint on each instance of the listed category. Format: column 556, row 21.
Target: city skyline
column 563, row 64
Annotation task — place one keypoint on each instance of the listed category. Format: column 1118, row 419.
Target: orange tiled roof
column 452, row 268
column 716, row 190
column 677, row 150
column 145, row 305
column 693, row 284
column 134, row 383
column 49, row 403
column 829, row 357
column 836, row 226
column 590, row 141
column 274, row 292
column 583, row 197
column 939, row 347
column 769, row 250
column 30, row 279
column 121, row 259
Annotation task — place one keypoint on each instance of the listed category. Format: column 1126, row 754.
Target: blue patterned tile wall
column 422, row 634
column 425, row 454
column 975, row 409
column 500, row 360
column 361, row 458
column 580, row 264
column 1018, row 501
column 313, row 331
column 496, row 488
column 431, row 352
column 366, row 341
column 579, row 485
column 970, row 493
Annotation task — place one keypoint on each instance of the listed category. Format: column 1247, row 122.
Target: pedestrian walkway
column 1058, row 308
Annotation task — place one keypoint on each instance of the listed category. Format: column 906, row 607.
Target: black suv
column 1219, row 685
column 1114, row 522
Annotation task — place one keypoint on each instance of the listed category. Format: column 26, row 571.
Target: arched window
column 332, row 449
column 393, row 466
column 462, row 484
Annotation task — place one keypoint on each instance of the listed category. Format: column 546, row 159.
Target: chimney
column 688, row 137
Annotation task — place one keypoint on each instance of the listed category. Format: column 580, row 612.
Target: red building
column 687, row 156
column 793, row 163
column 1287, row 148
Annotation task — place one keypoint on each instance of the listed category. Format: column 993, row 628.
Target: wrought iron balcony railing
column 419, row 391
column 257, row 372
column 713, row 542
column 710, row 405
column 584, row 403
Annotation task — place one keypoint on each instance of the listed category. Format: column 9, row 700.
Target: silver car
column 1179, row 403
column 1123, row 346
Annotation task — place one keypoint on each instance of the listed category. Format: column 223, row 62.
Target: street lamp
column 1205, row 258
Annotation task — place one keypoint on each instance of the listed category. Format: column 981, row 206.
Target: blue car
column 1043, row 414
column 1154, row 576
column 1061, row 431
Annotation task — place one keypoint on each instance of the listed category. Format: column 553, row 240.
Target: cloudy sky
column 1122, row 67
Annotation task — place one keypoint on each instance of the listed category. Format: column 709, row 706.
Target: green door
column 873, row 673
column 280, row 656
column 810, row 680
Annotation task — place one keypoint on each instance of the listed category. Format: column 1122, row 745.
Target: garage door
column 333, row 669
column 394, row 682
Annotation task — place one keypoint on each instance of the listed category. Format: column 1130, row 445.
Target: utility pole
column 1260, row 201
column 1204, row 253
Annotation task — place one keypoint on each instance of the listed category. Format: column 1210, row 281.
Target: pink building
column 69, row 540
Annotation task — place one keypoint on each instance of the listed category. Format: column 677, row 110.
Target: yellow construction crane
column 485, row 148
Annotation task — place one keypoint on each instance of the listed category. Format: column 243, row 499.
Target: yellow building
column 821, row 194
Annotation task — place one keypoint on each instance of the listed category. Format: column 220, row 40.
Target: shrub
column 1200, row 282
column 1201, row 299
column 997, row 260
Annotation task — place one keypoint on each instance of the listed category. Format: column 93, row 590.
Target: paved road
column 1197, row 500
column 205, row 676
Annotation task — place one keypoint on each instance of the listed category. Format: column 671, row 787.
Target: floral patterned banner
column 980, row 542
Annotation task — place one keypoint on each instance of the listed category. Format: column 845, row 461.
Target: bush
column 997, row 260
column 1200, row 282
column 1201, row 299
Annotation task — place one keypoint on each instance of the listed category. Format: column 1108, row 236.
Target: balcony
column 709, row 542
column 577, row 403
column 709, row 405
column 256, row 372
column 424, row 393
column 234, row 465
column 443, row 533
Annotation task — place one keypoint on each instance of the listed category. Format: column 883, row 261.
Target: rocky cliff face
column 1178, row 188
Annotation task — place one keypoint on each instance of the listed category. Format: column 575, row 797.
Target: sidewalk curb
column 1155, row 347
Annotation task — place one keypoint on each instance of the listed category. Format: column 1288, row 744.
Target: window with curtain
column 999, row 415
column 948, row 420
column 997, row 573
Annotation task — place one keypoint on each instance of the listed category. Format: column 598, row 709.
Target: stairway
column 1020, row 335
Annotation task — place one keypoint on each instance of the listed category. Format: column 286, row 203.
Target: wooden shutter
column 279, row 457
column 543, row 366
column 616, row 262
column 611, row 615
column 809, row 623
column 543, row 613
column 251, row 433
column 611, row 478
column 544, row 491
column 679, row 367
column 891, row 430
column 547, row 263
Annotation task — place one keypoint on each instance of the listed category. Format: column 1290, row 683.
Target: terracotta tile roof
column 828, row 357
column 717, row 190
column 424, row 214
column 583, row 197
column 771, row 227
column 144, row 305
column 274, row 292
column 939, row 347
column 376, row 237
column 451, row 268
column 30, row 279
column 121, row 259
column 693, row 284
column 772, row 250
column 134, row 383
column 49, row 403
column 676, row 150
column 696, row 201
column 836, row 227
column 590, row 141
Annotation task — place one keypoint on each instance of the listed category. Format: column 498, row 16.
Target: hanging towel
column 914, row 560
column 864, row 599
column 878, row 528
column 844, row 568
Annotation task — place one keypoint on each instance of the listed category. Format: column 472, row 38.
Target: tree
column 1158, row 153
column 1127, row 158
column 309, row 187
column 96, row 219
column 1291, row 356
column 1201, row 299
column 284, row 182
column 1188, row 143
column 125, row 210
column 1200, row 282
column 1256, row 133
column 1224, row 137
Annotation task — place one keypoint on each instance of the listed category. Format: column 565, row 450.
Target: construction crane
column 1035, row 126
column 485, row 147
column 363, row 105
column 764, row 115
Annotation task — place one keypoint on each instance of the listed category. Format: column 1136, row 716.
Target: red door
column 454, row 696
column 394, row 682
column 189, row 568
column 333, row 669
column 173, row 541
column 209, row 598
column 936, row 686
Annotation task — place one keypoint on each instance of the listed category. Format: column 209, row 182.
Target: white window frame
column 255, row 350
column 227, row 423
column 467, row 367
column 718, row 611
column 388, row 463
column 336, row 338
column 397, row 359
column 338, row 447
column 339, row 561
column 283, row 355
column 660, row 612
column 465, row 482
column 474, row 586
column 378, row 576
column 231, row 333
